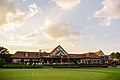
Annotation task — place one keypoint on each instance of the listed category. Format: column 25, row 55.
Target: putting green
column 60, row 74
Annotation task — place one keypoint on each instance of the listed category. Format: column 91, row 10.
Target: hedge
column 54, row 66
column 21, row 66
column 78, row 65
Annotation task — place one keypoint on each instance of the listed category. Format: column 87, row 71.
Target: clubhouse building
column 59, row 56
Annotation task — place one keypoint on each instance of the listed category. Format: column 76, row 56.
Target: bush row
column 21, row 66
column 77, row 65
column 53, row 65
column 66, row 66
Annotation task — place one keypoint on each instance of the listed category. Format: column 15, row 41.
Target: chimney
column 39, row 50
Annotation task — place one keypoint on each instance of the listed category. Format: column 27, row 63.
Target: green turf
column 60, row 74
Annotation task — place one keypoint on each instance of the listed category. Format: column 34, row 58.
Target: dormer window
column 26, row 54
column 59, row 48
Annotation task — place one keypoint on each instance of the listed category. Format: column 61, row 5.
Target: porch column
column 61, row 59
column 68, row 59
column 51, row 62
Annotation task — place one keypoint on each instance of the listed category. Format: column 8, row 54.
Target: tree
column 2, row 61
column 4, row 51
column 4, row 54
column 113, row 55
column 118, row 56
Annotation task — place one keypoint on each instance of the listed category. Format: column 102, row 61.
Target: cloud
column 107, row 35
column 34, row 9
column 5, row 7
column 66, row 4
column 32, row 34
column 110, row 10
column 60, row 29
column 10, row 14
column 93, row 37
column 16, row 18
column 24, row 1
column 11, row 18
column 56, row 29
column 106, row 21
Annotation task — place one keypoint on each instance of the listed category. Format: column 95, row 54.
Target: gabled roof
column 92, row 55
column 86, row 55
column 58, row 50
column 22, row 54
column 56, row 53
column 99, row 53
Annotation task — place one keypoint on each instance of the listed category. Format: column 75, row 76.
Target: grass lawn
column 60, row 74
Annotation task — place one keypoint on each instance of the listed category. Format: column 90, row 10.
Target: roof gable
column 99, row 53
column 92, row 55
column 58, row 51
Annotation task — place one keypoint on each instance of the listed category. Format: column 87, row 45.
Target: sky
column 77, row 25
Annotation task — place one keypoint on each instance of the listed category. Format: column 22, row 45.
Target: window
column 94, row 60
column 38, row 54
column 98, row 60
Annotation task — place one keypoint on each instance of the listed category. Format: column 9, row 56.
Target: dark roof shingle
column 22, row 54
